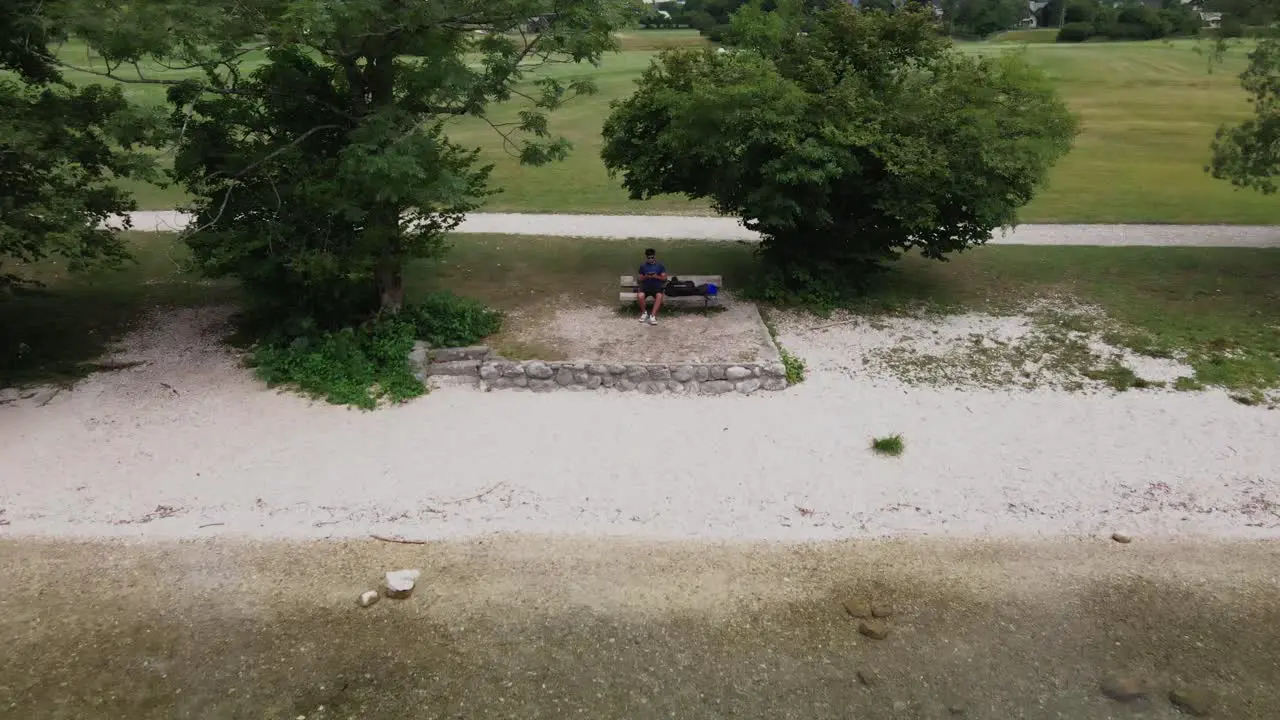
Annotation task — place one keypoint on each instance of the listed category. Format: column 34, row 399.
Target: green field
column 1148, row 112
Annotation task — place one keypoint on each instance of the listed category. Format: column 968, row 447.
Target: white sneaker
column 653, row 320
column 644, row 317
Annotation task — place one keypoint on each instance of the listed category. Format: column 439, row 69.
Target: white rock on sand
column 192, row 432
column 400, row 583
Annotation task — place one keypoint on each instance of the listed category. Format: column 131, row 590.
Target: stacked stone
column 651, row 379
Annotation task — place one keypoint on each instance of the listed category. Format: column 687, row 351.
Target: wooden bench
column 628, row 288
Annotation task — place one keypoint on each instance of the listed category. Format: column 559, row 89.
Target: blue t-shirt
column 652, row 268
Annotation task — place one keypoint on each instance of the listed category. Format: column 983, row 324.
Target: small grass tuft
column 1251, row 398
column 888, row 445
column 794, row 365
column 1188, row 384
column 1119, row 377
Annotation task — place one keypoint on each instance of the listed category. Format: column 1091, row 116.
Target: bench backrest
column 628, row 282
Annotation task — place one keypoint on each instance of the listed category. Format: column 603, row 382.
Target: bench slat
column 629, row 298
column 629, row 281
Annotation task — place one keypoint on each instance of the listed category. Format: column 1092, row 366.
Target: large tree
column 61, row 151
column 864, row 137
column 314, row 137
column 1248, row 153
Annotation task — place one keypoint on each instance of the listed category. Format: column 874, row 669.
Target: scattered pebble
column 869, row 677
column 881, row 610
column 1124, row 688
column 1190, row 701
column 1121, row 537
column 956, row 709
column 873, row 629
column 400, row 583
column 858, row 608
column 368, row 598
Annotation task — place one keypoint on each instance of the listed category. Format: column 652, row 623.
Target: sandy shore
column 188, row 444
column 531, row 627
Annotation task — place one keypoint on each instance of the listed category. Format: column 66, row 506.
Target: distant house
column 1033, row 12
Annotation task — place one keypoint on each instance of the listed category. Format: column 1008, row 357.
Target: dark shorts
column 651, row 288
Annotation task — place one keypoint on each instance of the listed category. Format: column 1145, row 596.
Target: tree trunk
column 390, row 279
column 384, row 218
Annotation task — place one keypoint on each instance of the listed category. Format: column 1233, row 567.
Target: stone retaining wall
column 496, row 373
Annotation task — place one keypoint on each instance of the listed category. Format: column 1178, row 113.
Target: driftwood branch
column 398, row 541
column 834, row 324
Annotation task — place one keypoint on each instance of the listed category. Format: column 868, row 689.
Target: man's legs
column 657, row 303
column 644, row 315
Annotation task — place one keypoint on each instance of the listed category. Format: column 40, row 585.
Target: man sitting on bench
column 651, row 280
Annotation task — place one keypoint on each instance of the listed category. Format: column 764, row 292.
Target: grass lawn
column 1148, row 112
column 1216, row 304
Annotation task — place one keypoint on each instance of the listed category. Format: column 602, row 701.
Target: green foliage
column 979, row 18
column 1088, row 19
column 884, row 6
column 1075, row 32
column 352, row 366
column 1082, row 11
column 794, row 366
column 61, row 148
column 443, row 319
column 865, row 136
column 1248, row 154
column 367, row 364
column 321, row 172
column 1230, row 27
column 1241, row 13
column 888, row 445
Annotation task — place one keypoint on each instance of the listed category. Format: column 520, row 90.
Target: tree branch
column 140, row 80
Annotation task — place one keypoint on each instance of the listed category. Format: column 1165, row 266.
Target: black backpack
column 680, row 288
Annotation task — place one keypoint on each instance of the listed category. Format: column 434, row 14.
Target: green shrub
column 364, row 365
column 1081, row 11
column 351, row 366
column 718, row 33
column 1231, row 27
column 446, row 320
column 1075, row 32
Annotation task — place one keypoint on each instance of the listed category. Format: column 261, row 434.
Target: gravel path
column 189, row 444
column 720, row 228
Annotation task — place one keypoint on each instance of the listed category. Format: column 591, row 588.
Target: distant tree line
column 1086, row 19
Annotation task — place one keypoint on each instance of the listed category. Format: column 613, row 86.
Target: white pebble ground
column 189, row 444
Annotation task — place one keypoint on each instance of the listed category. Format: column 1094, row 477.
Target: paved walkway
column 721, row 228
